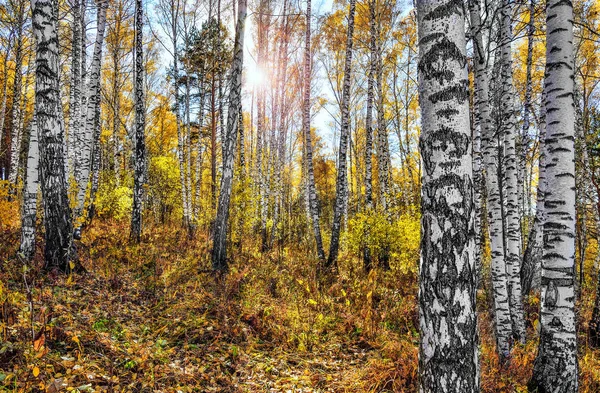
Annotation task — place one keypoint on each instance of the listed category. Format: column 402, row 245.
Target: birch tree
column 555, row 367
column 75, row 99
column 311, row 190
column 508, row 129
column 16, row 131
column 57, row 213
column 140, row 124
column 342, row 171
column 219, row 250
column 369, row 126
column 93, row 99
column 490, row 145
column 448, row 352
column 30, row 193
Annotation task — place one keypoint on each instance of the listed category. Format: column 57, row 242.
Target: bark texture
column 30, row 193
column 508, row 129
column 57, row 213
column 342, row 169
column 490, row 145
column 448, row 352
column 92, row 101
column 140, row 125
column 311, row 190
column 219, row 251
column 555, row 368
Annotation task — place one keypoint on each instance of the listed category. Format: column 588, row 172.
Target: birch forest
column 302, row 196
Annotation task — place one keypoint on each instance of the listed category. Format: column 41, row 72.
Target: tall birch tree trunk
column 30, row 193
column 367, row 260
column 342, row 171
column 16, row 132
column 140, row 125
column 92, row 101
column 219, row 251
column 311, row 190
column 448, row 353
column 531, row 272
column 489, row 145
column 75, row 98
column 4, row 86
column 57, row 213
column 555, row 368
column 508, row 127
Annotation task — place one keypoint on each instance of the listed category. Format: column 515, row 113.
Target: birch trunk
column 311, row 190
column 555, row 368
column 75, row 98
column 30, row 193
column 508, row 128
column 16, row 132
column 4, row 87
column 489, row 145
column 219, row 251
column 383, row 153
column 57, row 213
column 369, row 129
column 531, row 271
column 140, row 125
column 448, row 353
column 92, row 101
column 342, row 171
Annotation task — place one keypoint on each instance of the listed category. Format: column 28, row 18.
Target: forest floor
column 150, row 318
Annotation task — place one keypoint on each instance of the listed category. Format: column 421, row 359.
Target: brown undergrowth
column 149, row 318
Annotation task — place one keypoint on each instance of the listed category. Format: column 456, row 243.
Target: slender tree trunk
column 383, row 154
column 4, row 87
column 16, row 132
column 140, row 125
column 57, row 213
column 96, row 158
column 75, row 99
column 490, row 144
column 311, row 190
column 93, row 100
column 30, row 193
column 342, row 172
column 279, row 154
column 219, row 251
column 513, row 225
column 199, row 155
column 449, row 355
column 531, row 272
column 555, row 368
column 369, row 129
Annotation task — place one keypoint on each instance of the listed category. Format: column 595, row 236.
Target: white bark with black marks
column 219, row 250
column 30, row 194
column 311, row 190
column 508, row 130
column 140, row 125
column 555, row 367
column 489, row 147
column 448, row 352
column 57, row 213
column 342, row 171
column 92, row 101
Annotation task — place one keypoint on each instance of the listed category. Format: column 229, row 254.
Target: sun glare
column 255, row 77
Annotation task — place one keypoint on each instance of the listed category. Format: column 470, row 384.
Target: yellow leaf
column 36, row 371
column 312, row 302
column 72, row 265
column 76, row 339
